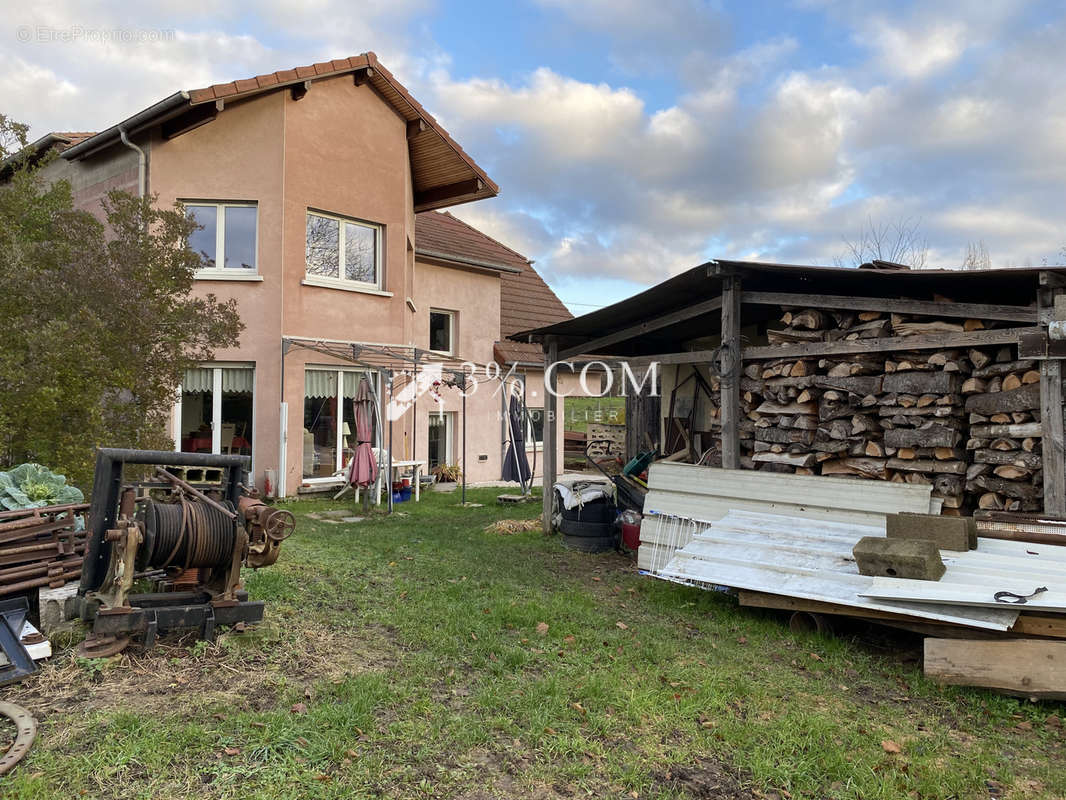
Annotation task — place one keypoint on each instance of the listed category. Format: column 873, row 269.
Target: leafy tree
column 98, row 322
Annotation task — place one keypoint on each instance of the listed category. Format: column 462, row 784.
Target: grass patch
column 578, row 412
column 432, row 654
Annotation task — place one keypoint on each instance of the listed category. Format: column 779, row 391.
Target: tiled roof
column 71, row 138
column 440, row 232
column 442, row 172
column 526, row 301
column 431, row 168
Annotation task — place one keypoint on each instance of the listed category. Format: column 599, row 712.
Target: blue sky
column 631, row 139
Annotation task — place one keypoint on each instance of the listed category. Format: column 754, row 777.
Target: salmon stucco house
column 318, row 189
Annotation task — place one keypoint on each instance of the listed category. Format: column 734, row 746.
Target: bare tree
column 977, row 256
column 899, row 242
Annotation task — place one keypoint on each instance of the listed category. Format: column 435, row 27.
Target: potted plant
column 446, row 475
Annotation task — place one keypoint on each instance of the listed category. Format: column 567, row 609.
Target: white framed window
column 343, row 252
column 534, row 426
column 227, row 240
column 215, row 410
column 329, row 427
column 439, row 439
column 441, row 331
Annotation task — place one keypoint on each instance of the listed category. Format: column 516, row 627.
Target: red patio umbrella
column 363, row 469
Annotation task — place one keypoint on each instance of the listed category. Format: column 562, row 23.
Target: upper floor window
column 441, row 331
column 343, row 250
column 226, row 238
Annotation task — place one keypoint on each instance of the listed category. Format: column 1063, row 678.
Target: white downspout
column 142, row 162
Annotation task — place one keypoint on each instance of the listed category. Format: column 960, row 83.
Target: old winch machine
column 187, row 523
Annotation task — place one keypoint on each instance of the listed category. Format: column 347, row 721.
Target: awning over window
column 234, row 379
column 320, row 383
column 323, row 382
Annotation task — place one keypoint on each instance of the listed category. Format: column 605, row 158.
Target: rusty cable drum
column 185, row 534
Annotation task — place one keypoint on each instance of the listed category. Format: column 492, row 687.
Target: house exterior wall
column 474, row 298
column 341, row 150
column 90, row 180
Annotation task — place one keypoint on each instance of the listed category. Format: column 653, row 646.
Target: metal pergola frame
column 396, row 366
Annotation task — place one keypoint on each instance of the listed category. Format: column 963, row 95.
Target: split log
column 1013, row 381
column 1029, row 429
column 790, row 459
column 1011, row 472
column 974, row 386
column 809, row 319
column 979, row 358
column 1018, row 458
column 1012, row 489
column 929, row 435
column 947, row 467
column 932, row 326
column 865, row 467
column 1004, row 444
column 990, row 501
column 1021, row 399
column 918, row 383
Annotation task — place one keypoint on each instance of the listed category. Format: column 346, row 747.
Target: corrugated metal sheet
column 972, row 595
column 974, row 577
column 706, row 494
column 803, row 558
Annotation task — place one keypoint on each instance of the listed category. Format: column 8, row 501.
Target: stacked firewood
column 907, row 416
column 1003, row 400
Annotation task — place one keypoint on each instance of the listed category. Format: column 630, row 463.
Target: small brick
column 949, row 533
column 898, row 558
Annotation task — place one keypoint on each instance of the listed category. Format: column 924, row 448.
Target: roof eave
column 160, row 112
column 461, row 261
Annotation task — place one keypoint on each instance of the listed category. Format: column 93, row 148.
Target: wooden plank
column 1052, row 625
column 933, row 341
column 730, row 372
column 1053, row 451
column 551, row 356
column 1007, row 313
column 780, row 602
column 1029, row 667
column 644, row 328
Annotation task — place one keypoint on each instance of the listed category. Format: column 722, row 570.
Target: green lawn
column 421, row 656
column 578, row 412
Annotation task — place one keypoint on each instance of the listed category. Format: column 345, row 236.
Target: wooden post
column 730, row 372
column 1053, row 452
column 551, row 353
column 1054, row 455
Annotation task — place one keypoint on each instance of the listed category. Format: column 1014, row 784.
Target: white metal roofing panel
column 802, row 558
column 709, row 493
column 783, row 489
column 977, row 595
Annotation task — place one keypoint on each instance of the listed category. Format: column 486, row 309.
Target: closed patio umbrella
column 515, row 464
column 363, row 470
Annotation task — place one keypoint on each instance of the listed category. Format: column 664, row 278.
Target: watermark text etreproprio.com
column 48, row 34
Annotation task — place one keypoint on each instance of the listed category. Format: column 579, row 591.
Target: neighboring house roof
column 442, row 172
column 57, row 140
column 526, row 301
column 70, row 138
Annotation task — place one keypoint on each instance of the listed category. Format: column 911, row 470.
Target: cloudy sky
column 633, row 139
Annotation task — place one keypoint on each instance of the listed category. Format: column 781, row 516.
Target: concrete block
column 898, row 558
column 53, row 605
column 949, row 533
